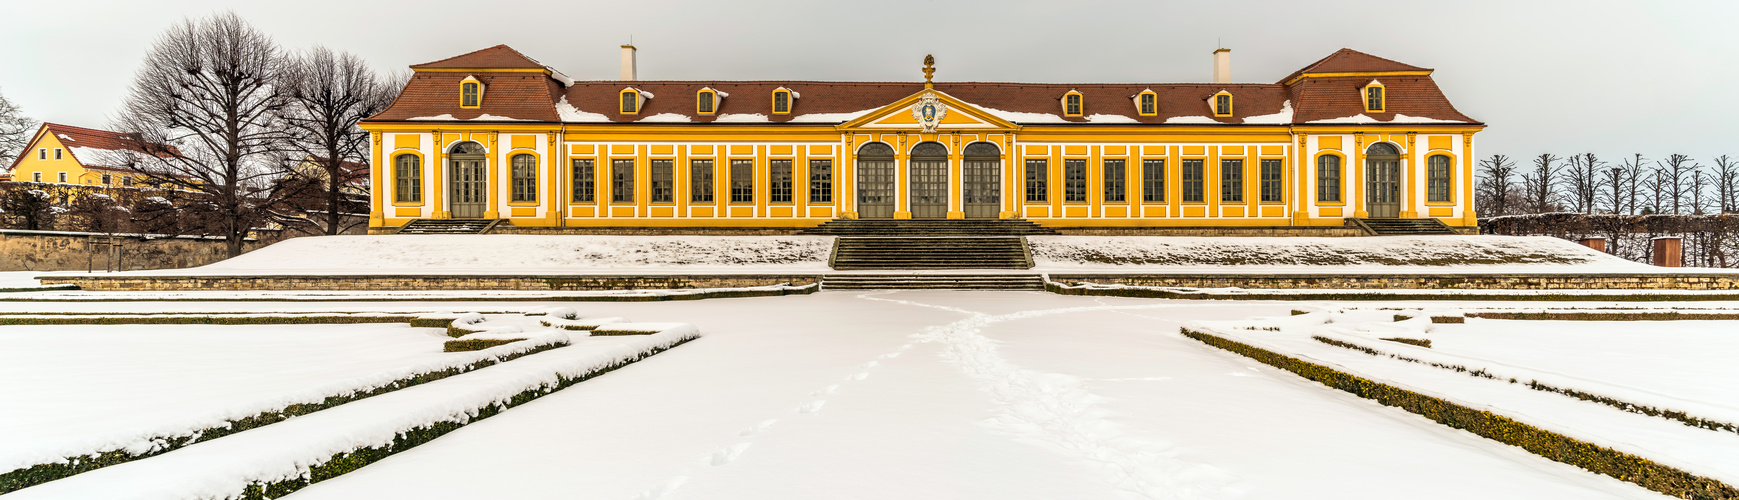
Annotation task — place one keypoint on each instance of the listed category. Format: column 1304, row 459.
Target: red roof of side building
column 88, row 146
column 520, row 96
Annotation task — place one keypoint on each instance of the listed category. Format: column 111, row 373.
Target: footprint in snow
column 812, row 407
column 762, row 427
column 891, row 355
column 826, row 390
column 860, row 376
column 871, row 364
column 729, row 454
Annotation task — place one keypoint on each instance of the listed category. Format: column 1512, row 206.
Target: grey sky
column 1610, row 77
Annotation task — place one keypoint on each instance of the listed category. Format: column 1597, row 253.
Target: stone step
column 448, row 226
column 928, row 227
column 932, row 282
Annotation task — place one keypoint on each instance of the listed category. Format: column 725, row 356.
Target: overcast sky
column 1610, row 77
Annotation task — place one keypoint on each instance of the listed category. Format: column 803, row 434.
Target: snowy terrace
column 896, row 395
column 723, row 255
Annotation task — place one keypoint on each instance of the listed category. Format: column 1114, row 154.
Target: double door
column 469, row 198
column 1383, row 188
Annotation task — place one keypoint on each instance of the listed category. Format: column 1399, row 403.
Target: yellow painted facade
column 557, row 146
column 49, row 159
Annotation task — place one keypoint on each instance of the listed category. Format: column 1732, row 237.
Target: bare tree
column 15, row 131
column 1497, row 179
column 203, row 113
column 1675, row 182
column 1726, row 178
column 1582, row 177
column 328, row 93
column 1631, row 172
column 1540, row 182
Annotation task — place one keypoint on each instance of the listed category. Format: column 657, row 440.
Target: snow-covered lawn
column 888, row 395
column 1386, row 254
column 1691, row 360
column 73, row 389
column 958, row 395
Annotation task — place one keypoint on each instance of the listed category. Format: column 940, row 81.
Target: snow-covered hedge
column 1595, row 458
column 26, row 468
column 514, row 253
column 1070, row 252
column 180, row 319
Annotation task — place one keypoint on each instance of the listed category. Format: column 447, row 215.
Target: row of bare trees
column 223, row 117
column 1586, row 183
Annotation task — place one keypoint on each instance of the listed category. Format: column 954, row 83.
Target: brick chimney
column 628, row 63
column 1223, row 66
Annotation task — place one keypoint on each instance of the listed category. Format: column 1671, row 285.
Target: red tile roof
column 497, row 57
column 510, row 96
column 80, row 140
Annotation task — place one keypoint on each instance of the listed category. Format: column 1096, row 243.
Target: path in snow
column 1000, row 395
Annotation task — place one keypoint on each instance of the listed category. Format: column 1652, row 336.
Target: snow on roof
column 666, row 118
column 1281, row 118
column 742, row 118
column 1398, row 118
column 569, row 113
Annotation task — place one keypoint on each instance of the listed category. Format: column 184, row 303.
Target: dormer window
column 1222, row 103
column 706, row 101
column 470, row 93
column 1147, row 103
column 1374, row 97
column 1072, row 103
column 782, row 100
column 632, row 100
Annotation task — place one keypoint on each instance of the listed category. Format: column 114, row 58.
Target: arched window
column 470, row 93
column 930, row 150
column 878, row 150
column 1328, row 178
column 875, row 181
column 1437, row 178
column 408, row 175
column 982, row 150
column 524, row 177
column 630, row 100
column 1382, row 149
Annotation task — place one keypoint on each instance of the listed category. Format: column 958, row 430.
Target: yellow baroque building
column 494, row 134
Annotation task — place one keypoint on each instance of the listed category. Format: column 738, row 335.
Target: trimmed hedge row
column 1425, row 343
column 342, row 463
column 42, row 473
column 1148, row 293
column 1548, row 444
column 1641, row 409
column 1604, row 316
column 205, row 320
column 1448, row 319
column 474, row 344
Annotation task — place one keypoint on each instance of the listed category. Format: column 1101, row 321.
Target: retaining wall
column 1674, row 281
column 423, row 283
column 69, row 251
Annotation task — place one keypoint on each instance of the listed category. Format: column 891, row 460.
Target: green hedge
column 342, row 463
column 1426, row 343
column 1604, row 316
column 1548, row 444
column 1448, row 319
column 205, row 320
column 42, row 473
column 474, row 344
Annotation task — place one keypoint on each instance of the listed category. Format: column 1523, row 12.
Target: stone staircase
column 931, row 282
column 1392, row 227
column 928, row 227
column 946, row 252
column 448, row 226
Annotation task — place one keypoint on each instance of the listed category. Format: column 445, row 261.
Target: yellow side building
column 494, row 134
column 64, row 154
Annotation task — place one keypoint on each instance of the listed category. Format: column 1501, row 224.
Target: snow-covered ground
column 1384, row 255
column 807, row 255
column 1690, row 360
column 75, row 389
column 911, row 395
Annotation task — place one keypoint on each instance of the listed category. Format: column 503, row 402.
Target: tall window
column 1192, row 181
column 524, row 177
column 1223, row 104
column 1037, row 177
column 585, row 181
column 821, row 181
column 1072, row 107
column 781, row 102
column 700, row 181
column 1153, row 180
column 779, row 181
column 1149, row 105
column 1231, row 180
column 704, row 101
column 1373, row 98
column 1074, row 180
column 742, row 181
column 1272, row 181
column 1114, row 181
column 663, row 178
column 622, row 181
column 469, row 94
column 408, row 178
column 107, row 179
column 1328, row 178
column 1437, row 178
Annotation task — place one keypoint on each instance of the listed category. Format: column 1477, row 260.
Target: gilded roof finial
column 929, row 68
